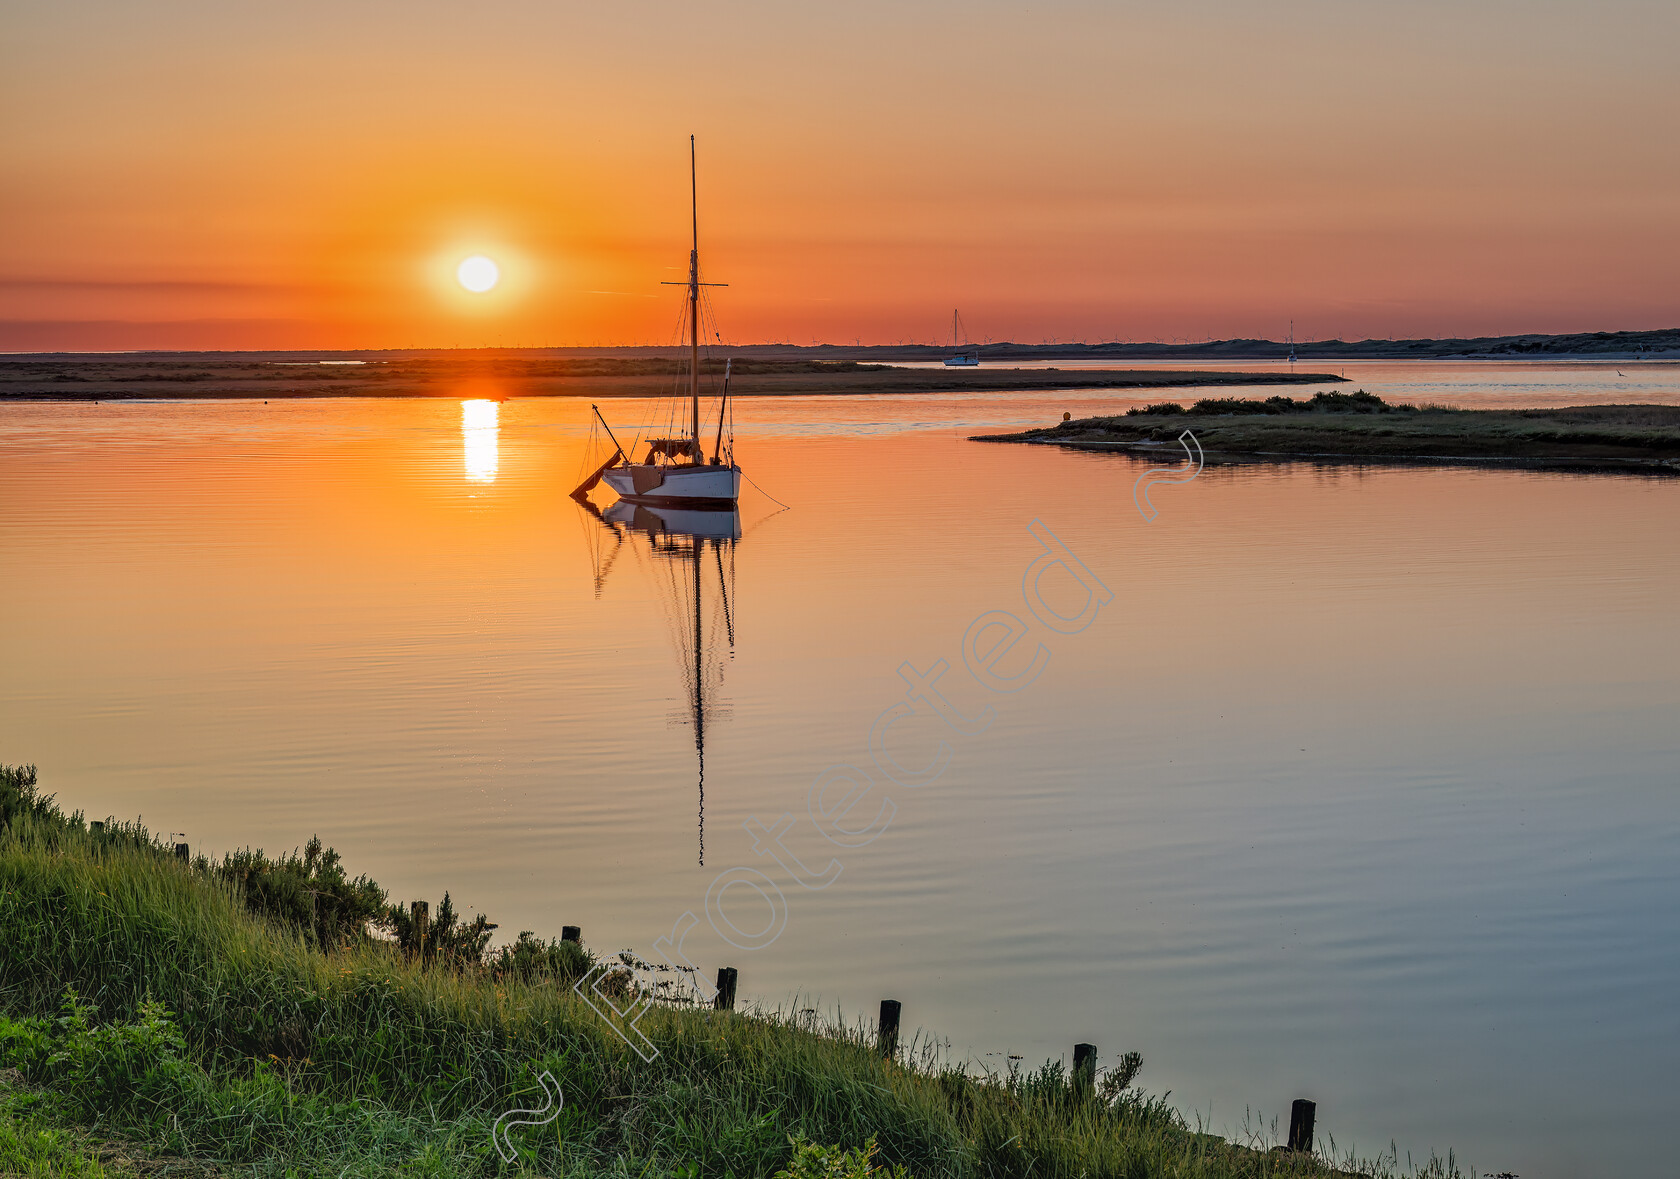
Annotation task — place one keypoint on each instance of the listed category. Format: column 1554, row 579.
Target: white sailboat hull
column 698, row 487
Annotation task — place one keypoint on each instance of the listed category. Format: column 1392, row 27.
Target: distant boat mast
column 965, row 357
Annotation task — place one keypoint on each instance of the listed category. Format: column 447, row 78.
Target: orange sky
column 205, row 175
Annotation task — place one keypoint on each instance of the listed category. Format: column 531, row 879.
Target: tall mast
column 694, row 302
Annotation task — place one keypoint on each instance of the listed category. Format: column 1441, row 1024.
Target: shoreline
column 219, row 988
column 1154, row 451
column 1341, row 429
column 84, row 381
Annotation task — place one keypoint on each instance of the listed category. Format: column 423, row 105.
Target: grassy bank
column 193, row 1016
column 1358, row 427
column 444, row 375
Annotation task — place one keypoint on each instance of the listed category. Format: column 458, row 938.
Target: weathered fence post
column 1084, row 1069
column 888, row 1027
column 420, row 913
column 725, row 1000
column 181, row 852
column 1301, row 1116
column 570, row 933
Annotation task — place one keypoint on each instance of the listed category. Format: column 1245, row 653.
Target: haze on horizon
column 186, row 174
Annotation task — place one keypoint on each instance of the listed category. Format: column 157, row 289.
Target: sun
column 478, row 273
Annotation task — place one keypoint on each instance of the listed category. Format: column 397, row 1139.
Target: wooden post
column 888, row 1027
column 725, row 1000
column 420, row 912
column 1084, row 1069
column 570, row 933
column 1301, row 1116
column 181, row 852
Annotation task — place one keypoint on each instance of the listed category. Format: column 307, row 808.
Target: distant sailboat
column 675, row 472
column 968, row 357
column 1292, row 357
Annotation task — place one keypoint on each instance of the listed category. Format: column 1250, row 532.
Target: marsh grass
column 1359, row 425
column 1331, row 402
column 143, row 995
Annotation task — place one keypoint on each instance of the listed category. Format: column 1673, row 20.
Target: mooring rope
column 764, row 493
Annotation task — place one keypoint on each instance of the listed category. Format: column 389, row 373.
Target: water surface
column 1362, row 787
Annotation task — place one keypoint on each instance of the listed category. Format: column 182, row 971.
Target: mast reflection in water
column 690, row 554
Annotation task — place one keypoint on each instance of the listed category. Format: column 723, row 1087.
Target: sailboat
column 675, row 472
column 969, row 357
column 693, row 563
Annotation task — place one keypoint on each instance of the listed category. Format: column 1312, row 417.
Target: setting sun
column 478, row 273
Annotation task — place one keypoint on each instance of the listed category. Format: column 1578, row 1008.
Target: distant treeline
column 1664, row 342
column 435, row 367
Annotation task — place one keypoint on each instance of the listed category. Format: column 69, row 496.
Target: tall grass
column 285, row 1050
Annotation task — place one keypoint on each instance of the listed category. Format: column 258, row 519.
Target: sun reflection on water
column 479, row 430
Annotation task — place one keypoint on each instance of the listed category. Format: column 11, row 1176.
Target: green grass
column 38, row 1140
column 38, row 1151
column 143, row 997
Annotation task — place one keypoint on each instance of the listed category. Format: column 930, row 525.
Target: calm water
column 1363, row 786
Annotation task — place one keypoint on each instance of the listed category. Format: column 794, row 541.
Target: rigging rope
column 764, row 493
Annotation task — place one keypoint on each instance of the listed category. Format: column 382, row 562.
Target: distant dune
column 1663, row 344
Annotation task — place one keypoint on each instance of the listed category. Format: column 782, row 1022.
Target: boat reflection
column 480, row 426
column 699, row 523
column 690, row 554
